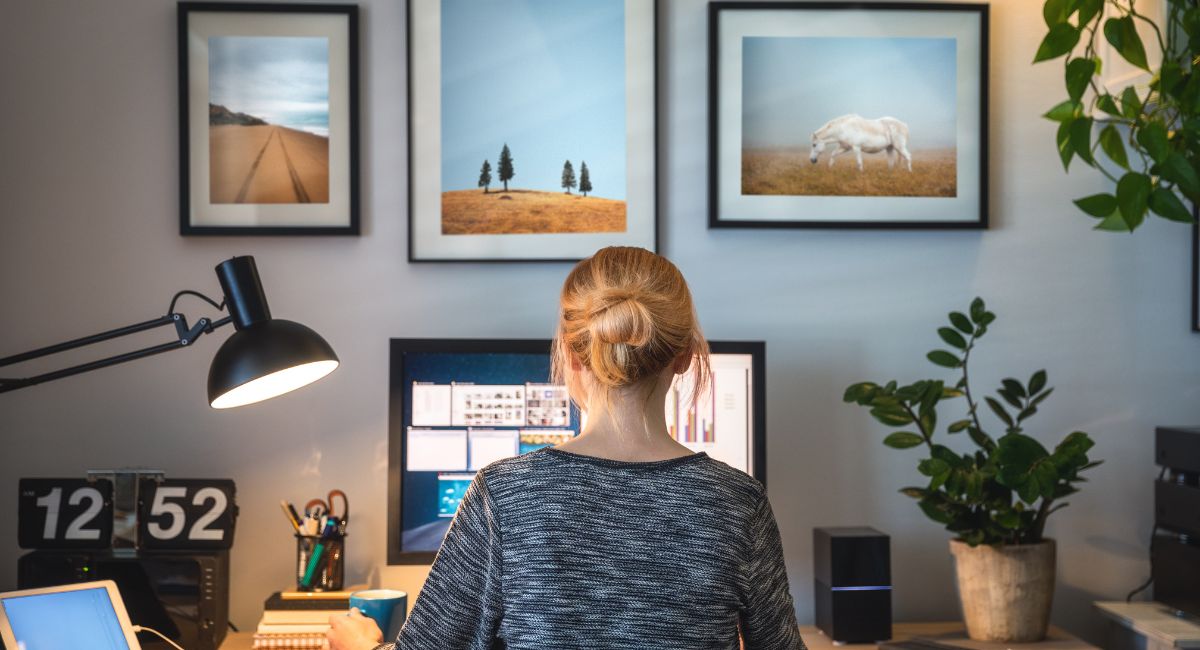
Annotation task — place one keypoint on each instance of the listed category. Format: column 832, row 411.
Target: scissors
column 325, row 506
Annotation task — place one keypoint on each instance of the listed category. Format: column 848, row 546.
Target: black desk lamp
column 264, row 358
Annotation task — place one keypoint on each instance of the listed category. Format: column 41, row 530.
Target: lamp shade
column 267, row 359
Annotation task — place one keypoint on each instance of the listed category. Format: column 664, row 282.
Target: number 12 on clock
column 64, row 513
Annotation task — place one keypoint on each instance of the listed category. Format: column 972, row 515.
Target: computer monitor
column 457, row 405
column 88, row 614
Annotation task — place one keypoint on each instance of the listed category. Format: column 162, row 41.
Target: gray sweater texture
column 555, row 550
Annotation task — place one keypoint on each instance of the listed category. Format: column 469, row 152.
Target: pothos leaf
column 1122, row 34
column 1058, row 41
column 1079, row 73
column 1113, row 146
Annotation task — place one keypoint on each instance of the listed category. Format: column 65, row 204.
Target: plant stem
column 1039, row 521
column 1090, row 52
column 1157, row 32
column 967, row 384
column 1095, row 148
column 927, row 435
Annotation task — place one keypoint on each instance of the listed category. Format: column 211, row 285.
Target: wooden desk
column 949, row 632
column 1147, row 626
column 238, row 641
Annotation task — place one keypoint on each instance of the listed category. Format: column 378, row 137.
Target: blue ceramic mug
column 387, row 607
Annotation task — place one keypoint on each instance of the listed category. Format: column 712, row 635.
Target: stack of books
column 298, row 620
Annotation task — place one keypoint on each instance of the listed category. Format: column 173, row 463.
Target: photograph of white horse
column 860, row 135
column 804, row 100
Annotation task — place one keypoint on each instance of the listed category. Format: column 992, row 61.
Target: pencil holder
column 320, row 563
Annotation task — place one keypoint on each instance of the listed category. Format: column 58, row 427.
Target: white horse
column 858, row 134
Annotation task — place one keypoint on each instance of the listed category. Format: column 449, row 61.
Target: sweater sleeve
column 767, row 618
column 460, row 605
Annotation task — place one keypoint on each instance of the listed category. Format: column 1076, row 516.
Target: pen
column 287, row 512
column 312, row 564
column 292, row 511
column 331, row 528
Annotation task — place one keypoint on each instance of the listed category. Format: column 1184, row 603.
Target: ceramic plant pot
column 1005, row 590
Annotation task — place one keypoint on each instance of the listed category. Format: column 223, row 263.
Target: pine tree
column 485, row 176
column 585, row 181
column 505, row 166
column 568, row 176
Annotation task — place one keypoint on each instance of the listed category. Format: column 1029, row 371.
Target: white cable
column 139, row 628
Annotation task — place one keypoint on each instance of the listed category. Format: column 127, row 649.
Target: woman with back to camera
column 620, row 537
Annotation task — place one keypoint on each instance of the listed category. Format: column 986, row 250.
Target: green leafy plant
column 1004, row 489
column 1152, row 139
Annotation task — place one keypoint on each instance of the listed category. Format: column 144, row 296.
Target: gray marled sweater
column 556, row 550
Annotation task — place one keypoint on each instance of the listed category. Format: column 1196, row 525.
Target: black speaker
column 853, row 586
column 1178, row 448
column 1175, row 550
column 1176, row 572
column 1177, row 505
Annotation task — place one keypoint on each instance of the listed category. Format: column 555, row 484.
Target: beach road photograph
column 268, row 119
column 533, row 105
column 849, row 116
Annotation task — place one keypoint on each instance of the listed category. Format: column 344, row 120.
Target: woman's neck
column 631, row 426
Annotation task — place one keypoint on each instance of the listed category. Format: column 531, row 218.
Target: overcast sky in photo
column 281, row 79
column 791, row 86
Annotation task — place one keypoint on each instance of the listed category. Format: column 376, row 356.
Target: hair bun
column 626, row 315
column 617, row 316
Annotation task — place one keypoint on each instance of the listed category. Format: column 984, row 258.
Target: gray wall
column 88, row 240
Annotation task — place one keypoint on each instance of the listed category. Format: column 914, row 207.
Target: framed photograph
column 848, row 115
column 1196, row 269
column 268, row 119
column 531, row 128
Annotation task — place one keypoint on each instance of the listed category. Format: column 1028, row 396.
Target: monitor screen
column 37, row 621
column 458, row 405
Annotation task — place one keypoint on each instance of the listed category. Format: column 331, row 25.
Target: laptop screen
column 70, row 619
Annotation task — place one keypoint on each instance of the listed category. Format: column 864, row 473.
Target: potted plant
column 995, row 497
column 1150, row 134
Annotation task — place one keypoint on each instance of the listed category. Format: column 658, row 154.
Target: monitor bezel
column 398, row 347
column 114, row 598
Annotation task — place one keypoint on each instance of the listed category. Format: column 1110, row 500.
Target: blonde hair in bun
column 626, row 315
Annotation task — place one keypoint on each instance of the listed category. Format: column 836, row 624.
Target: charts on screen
column 717, row 421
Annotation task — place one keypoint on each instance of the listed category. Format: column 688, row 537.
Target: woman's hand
column 352, row 631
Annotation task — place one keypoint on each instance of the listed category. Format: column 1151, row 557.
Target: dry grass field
column 267, row 164
column 789, row 172
column 471, row 212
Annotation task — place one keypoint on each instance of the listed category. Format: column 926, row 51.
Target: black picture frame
column 186, row 192
column 417, row 257
column 397, row 455
column 716, row 220
column 1196, row 268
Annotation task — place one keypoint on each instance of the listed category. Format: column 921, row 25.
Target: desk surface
column 947, row 632
column 1154, row 621
column 952, row 634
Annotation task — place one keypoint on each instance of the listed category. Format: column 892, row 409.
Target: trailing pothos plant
column 1002, row 491
column 1152, row 138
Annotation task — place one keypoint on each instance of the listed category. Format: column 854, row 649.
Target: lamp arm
column 186, row 336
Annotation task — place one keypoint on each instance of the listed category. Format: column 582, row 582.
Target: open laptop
column 84, row 616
